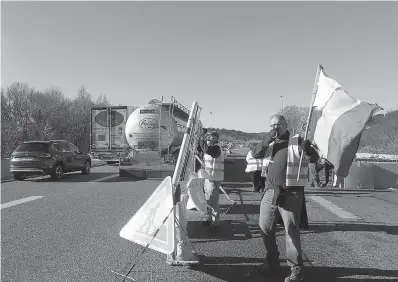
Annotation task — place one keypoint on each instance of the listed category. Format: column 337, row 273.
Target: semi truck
column 107, row 134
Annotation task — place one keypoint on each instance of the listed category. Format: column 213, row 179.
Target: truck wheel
column 87, row 168
column 18, row 176
column 58, row 172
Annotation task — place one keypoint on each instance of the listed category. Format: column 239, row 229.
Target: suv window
column 63, row 147
column 32, row 147
column 73, row 148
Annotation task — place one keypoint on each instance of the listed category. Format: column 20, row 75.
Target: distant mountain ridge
column 237, row 135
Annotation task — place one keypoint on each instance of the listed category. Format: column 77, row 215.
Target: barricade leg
column 183, row 254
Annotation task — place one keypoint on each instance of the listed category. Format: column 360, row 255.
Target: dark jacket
column 212, row 150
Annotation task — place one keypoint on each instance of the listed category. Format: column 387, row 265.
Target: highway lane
column 72, row 233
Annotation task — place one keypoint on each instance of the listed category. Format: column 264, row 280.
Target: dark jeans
column 290, row 211
column 257, row 180
column 327, row 168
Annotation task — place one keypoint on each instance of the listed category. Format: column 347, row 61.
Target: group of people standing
column 273, row 164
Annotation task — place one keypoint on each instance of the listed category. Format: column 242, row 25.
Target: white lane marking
column 20, row 201
column 105, row 178
column 333, row 208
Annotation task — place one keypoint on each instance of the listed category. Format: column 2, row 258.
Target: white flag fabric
column 143, row 226
column 340, row 123
column 326, row 87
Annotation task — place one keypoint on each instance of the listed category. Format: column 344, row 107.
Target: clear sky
column 235, row 58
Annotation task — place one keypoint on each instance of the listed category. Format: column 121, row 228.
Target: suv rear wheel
column 58, row 172
column 18, row 176
column 87, row 168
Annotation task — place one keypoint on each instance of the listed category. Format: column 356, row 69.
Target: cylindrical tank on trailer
column 142, row 128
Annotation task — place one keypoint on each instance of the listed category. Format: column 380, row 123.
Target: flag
column 154, row 219
column 341, row 121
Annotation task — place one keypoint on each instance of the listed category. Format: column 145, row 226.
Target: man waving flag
column 341, row 121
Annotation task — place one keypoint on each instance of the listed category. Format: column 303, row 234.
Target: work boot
column 295, row 276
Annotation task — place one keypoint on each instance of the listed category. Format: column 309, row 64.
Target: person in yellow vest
column 254, row 167
column 284, row 195
column 213, row 159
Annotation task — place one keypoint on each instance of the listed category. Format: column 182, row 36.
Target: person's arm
column 202, row 144
column 258, row 151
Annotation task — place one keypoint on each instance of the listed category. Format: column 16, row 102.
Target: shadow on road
column 244, row 209
column 228, row 230
column 238, row 269
column 73, row 177
column 237, row 185
column 334, row 193
column 369, row 227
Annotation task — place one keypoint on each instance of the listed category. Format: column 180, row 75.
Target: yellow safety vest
column 214, row 167
column 293, row 161
column 252, row 163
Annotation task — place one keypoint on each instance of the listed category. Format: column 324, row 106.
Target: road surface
column 69, row 231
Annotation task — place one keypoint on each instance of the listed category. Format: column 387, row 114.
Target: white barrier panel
column 372, row 175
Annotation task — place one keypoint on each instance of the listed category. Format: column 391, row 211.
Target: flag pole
column 315, row 89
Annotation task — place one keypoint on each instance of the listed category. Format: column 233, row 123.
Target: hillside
column 236, row 135
column 380, row 136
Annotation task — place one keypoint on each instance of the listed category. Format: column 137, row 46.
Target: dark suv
column 52, row 157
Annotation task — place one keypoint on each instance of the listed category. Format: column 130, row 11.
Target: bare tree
column 27, row 114
column 296, row 117
column 102, row 101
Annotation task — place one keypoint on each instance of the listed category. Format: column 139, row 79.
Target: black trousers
column 303, row 224
column 327, row 167
column 314, row 172
column 257, row 180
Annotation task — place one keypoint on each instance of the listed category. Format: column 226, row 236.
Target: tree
column 296, row 118
column 102, row 101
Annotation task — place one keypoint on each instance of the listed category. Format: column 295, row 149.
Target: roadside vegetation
column 29, row 114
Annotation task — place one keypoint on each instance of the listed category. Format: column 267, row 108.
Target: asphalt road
column 71, row 233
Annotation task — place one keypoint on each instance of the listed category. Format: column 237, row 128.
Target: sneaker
column 295, row 276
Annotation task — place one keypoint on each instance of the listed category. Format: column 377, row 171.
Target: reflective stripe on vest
column 293, row 161
column 214, row 167
column 254, row 164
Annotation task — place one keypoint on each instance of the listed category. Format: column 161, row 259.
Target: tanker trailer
column 154, row 131
column 143, row 132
